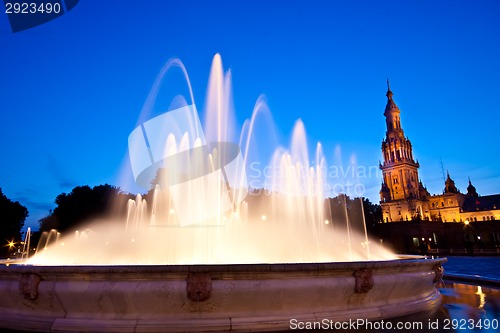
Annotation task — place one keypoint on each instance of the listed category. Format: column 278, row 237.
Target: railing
column 464, row 251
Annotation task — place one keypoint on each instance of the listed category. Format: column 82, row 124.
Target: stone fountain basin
column 205, row 298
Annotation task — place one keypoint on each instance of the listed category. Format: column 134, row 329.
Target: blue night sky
column 73, row 88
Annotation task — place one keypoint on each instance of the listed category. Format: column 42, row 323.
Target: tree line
column 12, row 218
column 82, row 204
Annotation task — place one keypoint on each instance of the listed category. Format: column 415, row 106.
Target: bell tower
column 400, row 184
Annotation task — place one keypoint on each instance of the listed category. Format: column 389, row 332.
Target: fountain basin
column 205, row 298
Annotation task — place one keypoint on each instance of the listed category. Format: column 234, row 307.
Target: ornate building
column 403, row 197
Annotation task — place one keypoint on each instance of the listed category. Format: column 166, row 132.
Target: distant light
column 482, row 297
column 133, row 240
column 430, row 239
column 263, row 217
column 11, row 244
column 172, row 211
column 327, row 222
column 423, row 238
column 466, row 222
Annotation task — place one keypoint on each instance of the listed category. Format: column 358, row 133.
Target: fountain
column 207, row 253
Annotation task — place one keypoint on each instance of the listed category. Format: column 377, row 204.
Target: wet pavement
column 487, row 268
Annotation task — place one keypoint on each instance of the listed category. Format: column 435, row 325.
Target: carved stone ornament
column 28, row 285
column 199, row 286
column 439, row 271
column 364, row 280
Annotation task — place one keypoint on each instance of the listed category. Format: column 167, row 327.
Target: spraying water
column 202, row 210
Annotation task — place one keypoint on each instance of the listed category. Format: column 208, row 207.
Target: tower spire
column 389, row 92
column 471, row 190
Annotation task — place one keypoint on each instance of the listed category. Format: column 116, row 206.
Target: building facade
column 403, row 197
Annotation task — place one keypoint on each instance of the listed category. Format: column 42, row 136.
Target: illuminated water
column 203, row 210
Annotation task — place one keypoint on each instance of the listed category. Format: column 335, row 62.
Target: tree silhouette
column 342, row 204
column 82, row 204
column 373, row 214
column 12, row 217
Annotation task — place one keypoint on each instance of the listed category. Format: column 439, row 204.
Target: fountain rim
column 402, row 261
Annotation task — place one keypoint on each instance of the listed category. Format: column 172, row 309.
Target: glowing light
column 466, row 222
column 482, row 297
column 11, row 244
column 263, row 217
column 327, row 222
column 172, row 211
